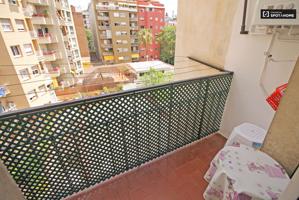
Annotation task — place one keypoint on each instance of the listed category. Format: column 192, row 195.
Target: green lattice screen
column 56, row 151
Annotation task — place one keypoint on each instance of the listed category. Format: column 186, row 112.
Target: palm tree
column 145, row 37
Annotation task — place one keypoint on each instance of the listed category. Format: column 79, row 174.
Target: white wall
column 292, row 192
column 245, row 56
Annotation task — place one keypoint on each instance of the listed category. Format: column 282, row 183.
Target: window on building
column 79, row 65
column 150, row 9
column 71, row 30
column 24, row 73
column 151, row 18
column 123, row 15
column 28, row 49
column 157, row 19
column 42, row 90
column 6, row 25
column 20, row 25
column 13, row 2
column 16, row 51
column 32, row 95
column 35, row 70
column 116, row 14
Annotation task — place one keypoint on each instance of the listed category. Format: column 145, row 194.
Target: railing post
column 125, row 144
column 170, row 116
column 204, row 108
column 136, row 128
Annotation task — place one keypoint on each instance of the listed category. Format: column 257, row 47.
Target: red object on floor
column 275, row 98
column 176, row 176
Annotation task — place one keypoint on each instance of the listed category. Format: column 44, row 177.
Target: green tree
column 155, row 77
column 167, row 38
column 145, row 37
column 90, row 40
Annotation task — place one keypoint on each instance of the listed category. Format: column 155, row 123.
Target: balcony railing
column 61, row 149
column 104, row 27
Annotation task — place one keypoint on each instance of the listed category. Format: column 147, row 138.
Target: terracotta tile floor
column 177, row 176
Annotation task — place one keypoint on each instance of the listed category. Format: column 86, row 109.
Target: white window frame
column 6, row 25
column 19, row 28
column 16, row 49
column 26, row 48
column 35, row 70
column 24, row 76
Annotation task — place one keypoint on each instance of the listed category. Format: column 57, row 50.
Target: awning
column 135, row 55
column 106, row 58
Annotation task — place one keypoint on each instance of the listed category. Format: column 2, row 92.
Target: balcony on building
column 108, row 53
column 40, row 55
column 105, row 36
column 54, row 71
column 103, row 18
column 39, row 2
column 108, row 6
column 42, row 19
column 134, row 43
column 106, row 45
column 58, row 4
column 134, row 27
column 86, row 142
column 47, row 38
column 50, row 55
column 104, row 27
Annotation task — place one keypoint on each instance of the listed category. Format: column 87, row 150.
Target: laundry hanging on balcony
column 275, row 98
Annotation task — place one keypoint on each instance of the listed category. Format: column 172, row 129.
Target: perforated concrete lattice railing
column 56, row 151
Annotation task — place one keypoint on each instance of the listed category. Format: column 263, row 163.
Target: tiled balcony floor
column 177, row 176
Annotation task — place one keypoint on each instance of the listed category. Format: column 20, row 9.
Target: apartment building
column 151, row 16
column 39, row 50
column 114, row 26
column 81, row 36
column 86, row 17
column 25, row 80
column 52, row 28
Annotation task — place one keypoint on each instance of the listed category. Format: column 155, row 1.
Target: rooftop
column 145, row 66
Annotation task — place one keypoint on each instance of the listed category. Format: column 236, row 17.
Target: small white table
column 244, row 173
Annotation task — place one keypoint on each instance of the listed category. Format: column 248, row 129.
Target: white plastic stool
column 247, row 134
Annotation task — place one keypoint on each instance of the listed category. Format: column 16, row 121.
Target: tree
column 145, row 37
column 167, row 38
column 90, row 40
column 155, row 77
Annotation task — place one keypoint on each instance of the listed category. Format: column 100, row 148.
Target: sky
column 170, row 5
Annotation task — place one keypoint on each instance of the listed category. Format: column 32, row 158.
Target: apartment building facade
column 25, row 80
column 81, row 36
column 86, row 17
column 39, row 51
column 114, row 26
column 151, row 16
